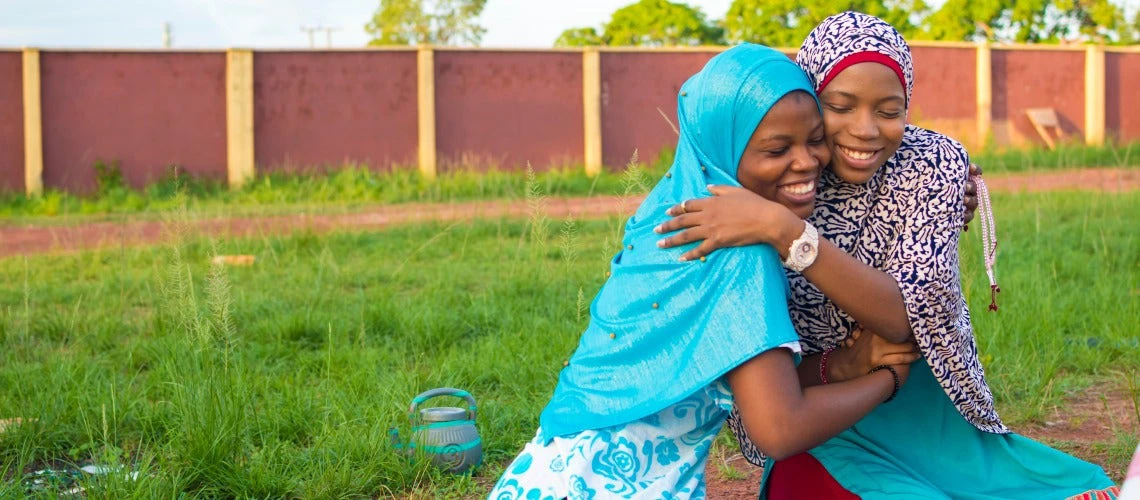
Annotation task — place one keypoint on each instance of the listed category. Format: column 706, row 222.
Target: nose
column 805, row 161
column 864, row 126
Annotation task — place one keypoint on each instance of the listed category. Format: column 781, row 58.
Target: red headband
column 862, row 57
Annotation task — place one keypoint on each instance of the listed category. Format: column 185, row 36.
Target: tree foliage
column 435, row 22
column 579, row 37
column 779, row 23
column 1030, row 21
column 1131, row 32
column 650, row 23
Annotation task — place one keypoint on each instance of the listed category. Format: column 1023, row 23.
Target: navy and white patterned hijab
column 850, row 38
column 904, row 221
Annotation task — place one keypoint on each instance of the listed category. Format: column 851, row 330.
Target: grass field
column 283, row 378
column 353, row 187
column 347, row 188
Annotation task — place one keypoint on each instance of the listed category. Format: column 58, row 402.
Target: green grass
column 1066, row 156
column 283, row 378
column 355, row 187
column 345, row 189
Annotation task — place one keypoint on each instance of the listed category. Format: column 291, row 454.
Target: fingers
column 971, row 188
column 686, row 207
column 681, row 221
column 975, row 169
column 721, row 190
column 856, row 333
column 900, row 358
column 706, row 247
column 682, row 238
column 971, row 202
column 718, row 190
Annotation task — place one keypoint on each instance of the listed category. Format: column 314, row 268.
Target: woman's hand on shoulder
column 732, row 217
column 864, row 350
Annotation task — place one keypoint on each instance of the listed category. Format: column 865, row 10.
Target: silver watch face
column 804, row 250
column 805, row 254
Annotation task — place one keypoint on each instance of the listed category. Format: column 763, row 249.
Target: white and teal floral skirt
column 660, row 456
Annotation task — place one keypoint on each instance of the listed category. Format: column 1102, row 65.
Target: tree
column 649, row 22
column 779, row 23
column 1030, row 21
column 579, row 37
column 436, row 22
column 1086, row 21
column 964, row 20
column 1131, row 33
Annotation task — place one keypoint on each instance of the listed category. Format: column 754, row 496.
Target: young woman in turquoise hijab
column 888, row 213
column 672, row 345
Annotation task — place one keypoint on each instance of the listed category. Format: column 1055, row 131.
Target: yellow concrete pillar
column 1094, row 95
column 985, row 92
column 425, row 84
column 592, row 109
column 240, row 159
column 33, row 125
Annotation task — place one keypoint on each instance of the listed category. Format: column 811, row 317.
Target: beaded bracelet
column 894, row 374
column 823, row 366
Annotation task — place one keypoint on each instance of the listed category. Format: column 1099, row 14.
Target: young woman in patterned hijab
column 888, row 214
column 672, row 345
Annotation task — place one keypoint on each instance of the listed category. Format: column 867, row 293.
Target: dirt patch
column 25, row 240
column 1088, row 423
column 21, row 240
column 730, row 476
column 1108, row 180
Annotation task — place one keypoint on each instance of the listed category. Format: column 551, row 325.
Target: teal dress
column 919, row 447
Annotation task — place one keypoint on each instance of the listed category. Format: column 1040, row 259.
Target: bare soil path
column 31, row 239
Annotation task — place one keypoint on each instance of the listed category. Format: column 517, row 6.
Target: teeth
column 801, row 188
column 858, row 155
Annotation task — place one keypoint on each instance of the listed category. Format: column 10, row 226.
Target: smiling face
column 785, row 154
column 864, row 109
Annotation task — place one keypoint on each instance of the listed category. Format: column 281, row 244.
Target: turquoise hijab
column 661, row 329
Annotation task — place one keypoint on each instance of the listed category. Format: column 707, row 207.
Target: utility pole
column 310, row 30
column 167, row 38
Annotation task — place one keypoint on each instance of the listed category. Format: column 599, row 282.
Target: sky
column 278, row 23
column 273, row 23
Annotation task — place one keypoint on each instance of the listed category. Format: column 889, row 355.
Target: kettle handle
column 443, row 391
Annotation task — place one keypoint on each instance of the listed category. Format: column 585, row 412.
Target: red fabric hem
column 801, row 477
column 1110, row 493
column 862, row 57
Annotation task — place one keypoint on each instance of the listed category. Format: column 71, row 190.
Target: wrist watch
column 804, row 250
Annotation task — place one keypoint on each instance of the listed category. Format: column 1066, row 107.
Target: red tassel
column 994, row 290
